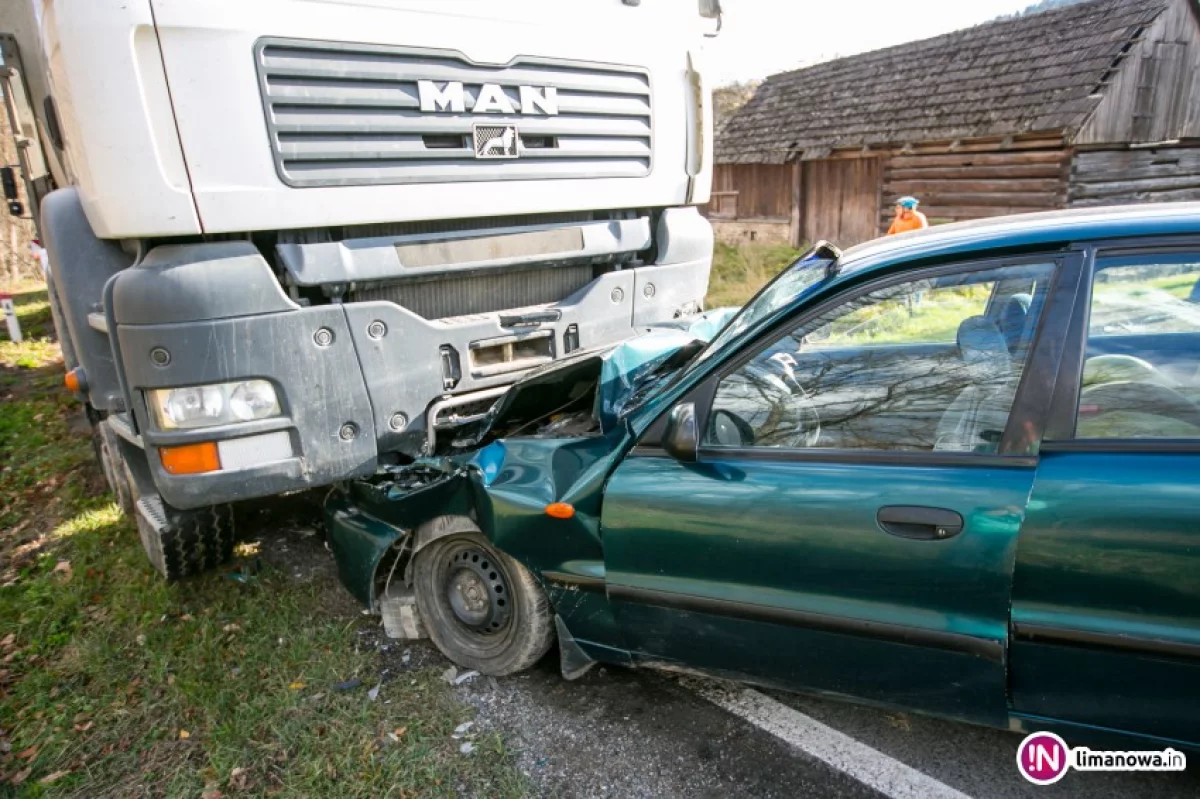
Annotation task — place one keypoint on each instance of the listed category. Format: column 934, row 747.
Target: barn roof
column 1040, row 72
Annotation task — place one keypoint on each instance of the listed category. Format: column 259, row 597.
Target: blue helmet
column 910, row 203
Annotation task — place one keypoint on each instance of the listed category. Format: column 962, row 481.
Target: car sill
column 895, row 633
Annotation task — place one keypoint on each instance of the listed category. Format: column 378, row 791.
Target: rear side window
column 1141, row 375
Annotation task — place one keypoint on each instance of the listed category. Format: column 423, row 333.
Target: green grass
column 114, row 683
column 935, row 320
column 739, row 272
column 1177, row 285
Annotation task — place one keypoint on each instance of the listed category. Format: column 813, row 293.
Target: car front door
column 1106, row 597
column 850, row 522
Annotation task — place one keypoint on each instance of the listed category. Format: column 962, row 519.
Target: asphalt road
column 623, row 733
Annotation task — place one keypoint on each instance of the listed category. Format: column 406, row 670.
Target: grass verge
column 115, row 683
column 739, row 272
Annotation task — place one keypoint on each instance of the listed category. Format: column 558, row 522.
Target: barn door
column 841, row 200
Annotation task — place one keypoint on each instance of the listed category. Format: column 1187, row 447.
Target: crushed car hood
column 612, row 376
column 551, row 438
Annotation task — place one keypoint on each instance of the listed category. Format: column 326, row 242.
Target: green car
column 955, row 471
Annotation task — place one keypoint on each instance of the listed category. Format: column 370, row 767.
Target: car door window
column 922, row 365
column 1141, row 373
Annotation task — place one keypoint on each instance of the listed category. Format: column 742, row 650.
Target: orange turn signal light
column 71, row 381
column 191, row 458
column 560, row 510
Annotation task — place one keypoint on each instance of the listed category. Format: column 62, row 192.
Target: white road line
column 849, row 756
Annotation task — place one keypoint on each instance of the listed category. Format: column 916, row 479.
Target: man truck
column 291, row 242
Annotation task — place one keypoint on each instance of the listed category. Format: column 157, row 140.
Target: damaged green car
column 953, row 471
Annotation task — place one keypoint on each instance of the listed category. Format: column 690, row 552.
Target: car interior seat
column 1014, row 316
column 985, row 383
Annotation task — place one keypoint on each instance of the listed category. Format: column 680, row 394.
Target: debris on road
column 401, row 619
column 373, row 694
column 348, row 685
column 461, row 730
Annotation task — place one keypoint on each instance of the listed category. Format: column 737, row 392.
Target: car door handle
column 919, row 523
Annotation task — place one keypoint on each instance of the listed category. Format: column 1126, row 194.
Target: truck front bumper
column 354, row 380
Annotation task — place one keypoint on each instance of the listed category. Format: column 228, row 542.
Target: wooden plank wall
column 840, row 200
column 1109, row 177
column 979, row 178
column 764, row 191
column 1154, row 94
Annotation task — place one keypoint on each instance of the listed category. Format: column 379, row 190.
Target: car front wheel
column 483, row 609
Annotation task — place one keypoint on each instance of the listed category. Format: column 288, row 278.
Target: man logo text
column 490, row 99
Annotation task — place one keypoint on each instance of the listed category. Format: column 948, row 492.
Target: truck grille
column 343, row 114
column 453, row 295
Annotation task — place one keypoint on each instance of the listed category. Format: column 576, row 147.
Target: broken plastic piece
column 465, row 677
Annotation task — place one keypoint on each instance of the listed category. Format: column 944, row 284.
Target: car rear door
column 1106, row 597
column 874, row 558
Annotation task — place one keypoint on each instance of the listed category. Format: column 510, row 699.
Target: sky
column 761, row 37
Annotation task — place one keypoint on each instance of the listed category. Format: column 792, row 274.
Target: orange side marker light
column 191, row 458
column 71, row 381
column 560, row 510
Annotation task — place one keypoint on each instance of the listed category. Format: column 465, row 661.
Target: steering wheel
column 1152, row 399
column 800, row 428
column 1117, row 368
column 781, row 413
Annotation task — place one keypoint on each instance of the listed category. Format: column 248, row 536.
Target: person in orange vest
column 907, row 216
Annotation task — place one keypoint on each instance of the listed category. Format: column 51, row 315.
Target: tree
column 15, row 232
column 729, row 98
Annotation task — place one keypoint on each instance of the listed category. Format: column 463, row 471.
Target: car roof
column 1050, row 229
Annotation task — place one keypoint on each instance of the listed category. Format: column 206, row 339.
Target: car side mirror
column 681, row 438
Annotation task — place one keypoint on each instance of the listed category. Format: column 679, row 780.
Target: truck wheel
column 112, row 463
column 483, row 609
column 182, row 543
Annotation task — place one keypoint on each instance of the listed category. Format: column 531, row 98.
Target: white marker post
column 10, row 317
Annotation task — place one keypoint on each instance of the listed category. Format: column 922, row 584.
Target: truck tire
column 112, row 463
column 483, row 609
column 183, row 543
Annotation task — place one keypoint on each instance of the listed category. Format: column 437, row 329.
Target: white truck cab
column 292, row 241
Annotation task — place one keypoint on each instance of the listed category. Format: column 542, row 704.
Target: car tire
column 183, row 543
column 483, row 609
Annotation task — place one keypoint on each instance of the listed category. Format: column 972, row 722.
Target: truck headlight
column 208, row 406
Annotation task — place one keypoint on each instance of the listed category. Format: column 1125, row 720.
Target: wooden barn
column 1091, row 104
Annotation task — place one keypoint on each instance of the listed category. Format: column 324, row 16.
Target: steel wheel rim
column 476, row 591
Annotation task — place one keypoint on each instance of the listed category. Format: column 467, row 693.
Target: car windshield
column 806, row 272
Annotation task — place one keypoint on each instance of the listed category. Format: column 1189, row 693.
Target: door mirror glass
column 681, row 437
